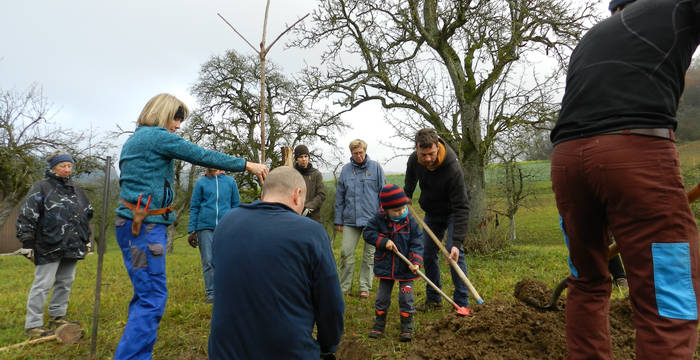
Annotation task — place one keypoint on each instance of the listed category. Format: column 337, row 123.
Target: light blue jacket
column 357, row 192
column 212, row 198
column 146, row 167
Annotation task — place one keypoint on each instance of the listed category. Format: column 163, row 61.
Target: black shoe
column 38, row 332
column 406, row 328
column 429, row 306
column 55, row 322
column 379, row 324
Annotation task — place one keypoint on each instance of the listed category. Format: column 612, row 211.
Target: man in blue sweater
column 212, row 197
column 275, row 279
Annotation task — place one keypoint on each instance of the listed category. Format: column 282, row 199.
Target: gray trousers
column 60, row 276
column 351, row 235
column 383, row 300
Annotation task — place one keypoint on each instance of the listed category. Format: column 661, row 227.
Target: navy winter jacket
column 275, row 279
column 408, row 238
column 357, row 192
column 54, row 220
column 212, row 197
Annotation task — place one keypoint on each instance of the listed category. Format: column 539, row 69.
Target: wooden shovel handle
column 30, row 342
column 420, row 273
column 453, row 263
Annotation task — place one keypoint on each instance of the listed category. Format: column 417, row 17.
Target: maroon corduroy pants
column 632, row 185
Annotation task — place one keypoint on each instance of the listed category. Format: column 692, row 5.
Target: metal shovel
column 461, row 310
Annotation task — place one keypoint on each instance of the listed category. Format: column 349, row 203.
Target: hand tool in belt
column 140, row 214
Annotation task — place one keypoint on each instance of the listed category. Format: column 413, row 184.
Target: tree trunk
column 472, row 160
column 511, row 230
column 6, row 206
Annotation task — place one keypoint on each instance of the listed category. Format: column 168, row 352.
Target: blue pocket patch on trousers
column 673, row 285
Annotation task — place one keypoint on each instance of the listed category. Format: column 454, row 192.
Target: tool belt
column 663, row 133
column 140, row 214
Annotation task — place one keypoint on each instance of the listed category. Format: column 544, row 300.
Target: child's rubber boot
column 379, row 324
column 406, row 327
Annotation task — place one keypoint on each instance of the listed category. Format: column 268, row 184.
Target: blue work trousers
column 144, row 259
column 440, row 224
column 206, row 246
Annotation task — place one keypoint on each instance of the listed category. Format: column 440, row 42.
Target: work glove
column 307, row 212
column 192, row 239
column 28, row 253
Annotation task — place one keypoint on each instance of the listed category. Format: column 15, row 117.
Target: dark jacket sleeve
column 29, row 212
column 316, row 202
column 415, row 251
column 373, row 235
column 88, row 209
column 328, row 298
column 410, row 178
column 459, row 206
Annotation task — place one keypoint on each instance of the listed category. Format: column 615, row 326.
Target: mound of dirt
column 497, row 330
column 503, row 330
column 533, row 293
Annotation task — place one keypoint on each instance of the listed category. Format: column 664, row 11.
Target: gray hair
column 283, row 181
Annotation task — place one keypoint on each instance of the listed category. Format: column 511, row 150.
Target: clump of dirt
column 533, row 293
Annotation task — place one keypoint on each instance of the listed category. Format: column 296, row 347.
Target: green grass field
column 539, row 253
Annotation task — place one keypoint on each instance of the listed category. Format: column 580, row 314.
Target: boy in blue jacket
column 212, row 197
column 391, row 229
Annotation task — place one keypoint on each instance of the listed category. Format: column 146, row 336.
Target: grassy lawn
column 538, row 253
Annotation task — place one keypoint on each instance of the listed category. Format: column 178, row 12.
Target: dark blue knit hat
column 392, row 196
column 614, row 4
column 57, row 159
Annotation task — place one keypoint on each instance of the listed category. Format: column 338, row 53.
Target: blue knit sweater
column 146, row 166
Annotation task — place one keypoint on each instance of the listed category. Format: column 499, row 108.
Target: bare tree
column 27, row 136
column 228, row 113
column 436, row 60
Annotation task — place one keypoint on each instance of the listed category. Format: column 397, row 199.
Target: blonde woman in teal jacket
column 146, row 198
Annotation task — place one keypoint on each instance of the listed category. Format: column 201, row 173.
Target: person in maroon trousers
column 615, row 165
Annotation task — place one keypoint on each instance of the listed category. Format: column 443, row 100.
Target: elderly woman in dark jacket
column 53, row 225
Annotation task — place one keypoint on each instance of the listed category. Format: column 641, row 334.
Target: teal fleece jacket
column 146, row 167
column 212, row 198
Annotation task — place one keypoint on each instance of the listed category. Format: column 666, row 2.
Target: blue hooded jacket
column 146, row 167
column 275, row 280
column 357, row 192
column 407, row 237
column 212, row 198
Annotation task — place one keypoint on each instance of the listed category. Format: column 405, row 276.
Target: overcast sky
column 99, row 62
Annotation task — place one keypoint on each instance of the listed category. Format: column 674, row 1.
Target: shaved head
column 285, row 184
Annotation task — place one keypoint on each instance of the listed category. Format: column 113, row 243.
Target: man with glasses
column 357, row 201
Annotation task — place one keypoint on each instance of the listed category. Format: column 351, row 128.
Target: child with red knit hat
column 393, row 228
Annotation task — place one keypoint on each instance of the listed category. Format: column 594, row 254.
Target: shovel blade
column 462, row 310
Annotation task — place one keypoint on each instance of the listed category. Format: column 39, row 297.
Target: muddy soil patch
column 533, row 293
column 512, row 330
